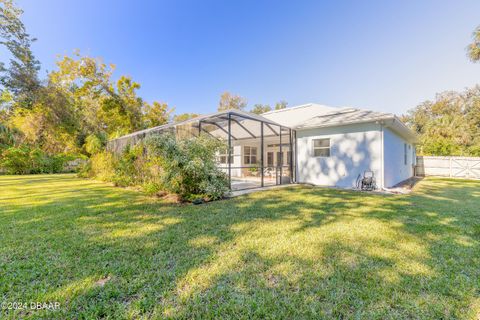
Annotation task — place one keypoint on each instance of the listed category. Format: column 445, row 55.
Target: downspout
column 382, row 157
column 296, row 156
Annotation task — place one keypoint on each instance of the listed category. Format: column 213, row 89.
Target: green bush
column 94, row 143
column 16, row 160
column 184, row 167
column 101, row 166
column 189, row 166
column 27, row 160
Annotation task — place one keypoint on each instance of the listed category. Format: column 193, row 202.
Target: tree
column 156, row 114
column 75, row 108
column 261, row 108
column 102, row 105
column 231, row 101
column 450, row 125
column 95, row 143
column 50, row 123
column 184, row 117
column 474, row 47
column 21, row 76
column 120, row 108
column 282, row 104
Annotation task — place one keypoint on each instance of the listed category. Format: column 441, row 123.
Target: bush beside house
column 164, row 164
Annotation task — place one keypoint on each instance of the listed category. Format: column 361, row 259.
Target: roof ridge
column 289, row 108
column 341, row 111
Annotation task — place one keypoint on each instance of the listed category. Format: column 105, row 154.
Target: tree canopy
column 282, row 104
column 261, row 108
column 231, row 101
column 184, row 116
column 76, row 108
column 450, row 125
column 20, row 77
column 474, row 47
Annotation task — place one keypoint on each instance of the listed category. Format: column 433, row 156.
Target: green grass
column 298, row 252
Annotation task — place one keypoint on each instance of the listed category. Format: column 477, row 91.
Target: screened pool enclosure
column 258, row 153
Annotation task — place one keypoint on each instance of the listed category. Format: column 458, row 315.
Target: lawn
column 297, row 252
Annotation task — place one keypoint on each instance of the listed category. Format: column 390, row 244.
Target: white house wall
column 395, row 168
column 353, row 150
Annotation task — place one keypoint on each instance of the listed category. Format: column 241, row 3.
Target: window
column 321, row 147
column 250, row 155
column 270, row 159
column 279, row 158
column 289, row 155
column 405, row 154
column 223, row 156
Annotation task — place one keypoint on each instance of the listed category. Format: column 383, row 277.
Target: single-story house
column 309, row 143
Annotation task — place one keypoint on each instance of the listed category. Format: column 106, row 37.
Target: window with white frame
column 249, row 155
column 223, row 156
column 405, row 154
column 321, row 147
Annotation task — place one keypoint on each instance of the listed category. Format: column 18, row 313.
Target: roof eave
column 344, row 123
column 391, row 121
column 396, row 125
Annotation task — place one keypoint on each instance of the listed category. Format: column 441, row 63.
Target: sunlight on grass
column 298, row 252
column 72, row 289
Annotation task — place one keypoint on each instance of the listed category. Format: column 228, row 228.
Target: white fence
column 454, row 167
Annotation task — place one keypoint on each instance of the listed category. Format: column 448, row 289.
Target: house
column 309, row 143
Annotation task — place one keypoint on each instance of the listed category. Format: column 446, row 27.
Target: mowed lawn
column 297, row 252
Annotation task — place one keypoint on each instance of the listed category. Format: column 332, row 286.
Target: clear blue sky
column 381, row 55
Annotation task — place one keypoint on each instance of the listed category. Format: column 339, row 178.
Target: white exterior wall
column 353, row 149
column 395, row 168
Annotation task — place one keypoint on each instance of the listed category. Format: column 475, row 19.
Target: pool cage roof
column 243, row 125
column 251, row 143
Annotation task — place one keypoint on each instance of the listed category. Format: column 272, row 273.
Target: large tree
column 282, row 104
column 184, row 116
column 450, row 125
column 103, row 105
column 20, row 77
column 79, row 104
column 156, row 114
column 261, row 108
column 474, row 47
column 231, row 101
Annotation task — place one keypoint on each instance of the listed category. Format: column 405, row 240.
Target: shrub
column 188, row 166
column 101, row 166
column 27, row 160
column 185, row 167
column 94, row 143
column 16, row 160
column 130, row 167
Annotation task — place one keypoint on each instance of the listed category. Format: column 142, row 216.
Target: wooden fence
column 453, row 167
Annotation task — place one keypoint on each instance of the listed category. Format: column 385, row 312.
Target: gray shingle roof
column 344, row 116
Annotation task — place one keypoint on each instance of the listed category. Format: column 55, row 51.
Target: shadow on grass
column 289, row 253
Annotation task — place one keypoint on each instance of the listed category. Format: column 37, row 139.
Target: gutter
column 392, row 122
column 343, row 123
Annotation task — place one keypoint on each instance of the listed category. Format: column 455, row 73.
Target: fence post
column 450, row 167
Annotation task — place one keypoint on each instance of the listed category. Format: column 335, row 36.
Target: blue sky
column 380, row 55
